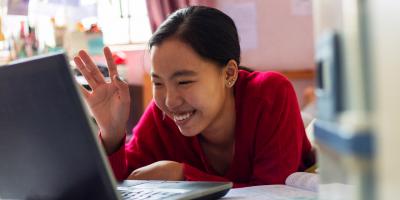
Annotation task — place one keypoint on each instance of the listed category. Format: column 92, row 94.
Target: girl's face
column 187, row 88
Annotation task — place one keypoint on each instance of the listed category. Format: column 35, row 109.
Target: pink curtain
column 159, row 10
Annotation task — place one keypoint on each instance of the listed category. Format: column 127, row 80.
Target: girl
column 210, row 120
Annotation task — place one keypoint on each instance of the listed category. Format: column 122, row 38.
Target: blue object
column 96, row 45
column 332, row 136
column 330, row 87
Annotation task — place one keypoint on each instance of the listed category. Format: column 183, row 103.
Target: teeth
column 183, row 116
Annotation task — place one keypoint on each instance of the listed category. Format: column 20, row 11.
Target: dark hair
column 211, row 33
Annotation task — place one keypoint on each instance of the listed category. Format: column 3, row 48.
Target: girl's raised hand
column 109, row 102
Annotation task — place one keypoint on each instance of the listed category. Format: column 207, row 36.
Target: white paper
column 272, row 192
column 245, row 17
column 299, row 185
column 301, row 7
column 303, row 180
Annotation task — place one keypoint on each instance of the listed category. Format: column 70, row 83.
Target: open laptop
column 48, row 146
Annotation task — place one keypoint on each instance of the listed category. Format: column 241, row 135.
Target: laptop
column 49, row 148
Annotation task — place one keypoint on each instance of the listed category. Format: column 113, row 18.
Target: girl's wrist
column 112, row 142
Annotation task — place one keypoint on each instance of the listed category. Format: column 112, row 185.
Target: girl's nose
column 173, row 100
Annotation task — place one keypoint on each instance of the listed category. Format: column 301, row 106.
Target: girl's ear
column 231, row 73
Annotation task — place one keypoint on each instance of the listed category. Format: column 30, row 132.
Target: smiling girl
column 209, row 120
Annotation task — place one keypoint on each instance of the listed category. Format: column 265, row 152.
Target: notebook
column 49, row 148
column 299, row 185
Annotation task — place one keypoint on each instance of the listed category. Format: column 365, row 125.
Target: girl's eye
column 157, row 84
column 185, row 82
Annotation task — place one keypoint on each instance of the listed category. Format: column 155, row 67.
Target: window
column 124, row 21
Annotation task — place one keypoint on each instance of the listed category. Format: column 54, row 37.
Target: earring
column 231, row 83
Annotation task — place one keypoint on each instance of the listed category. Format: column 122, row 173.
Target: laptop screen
column 48, row 149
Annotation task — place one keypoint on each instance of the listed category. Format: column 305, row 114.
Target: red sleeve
column 118, row 165
column 143, row 149
column 280, row 137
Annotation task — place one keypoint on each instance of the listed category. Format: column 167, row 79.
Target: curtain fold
column 158, row 10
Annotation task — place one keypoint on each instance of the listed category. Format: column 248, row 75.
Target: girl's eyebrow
column 177, row 74
column 183, row 73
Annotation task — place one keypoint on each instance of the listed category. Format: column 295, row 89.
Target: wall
column 280, row 39
column 284, row 36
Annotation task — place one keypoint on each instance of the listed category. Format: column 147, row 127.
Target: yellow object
column 2, row 38
column 79, row 27
column 312, row 169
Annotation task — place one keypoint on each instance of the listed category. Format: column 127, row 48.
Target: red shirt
column 270, row 141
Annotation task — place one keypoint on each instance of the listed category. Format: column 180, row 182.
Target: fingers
column 86, row 73
column 112, row 68
column 122, row 87
column 91, row 67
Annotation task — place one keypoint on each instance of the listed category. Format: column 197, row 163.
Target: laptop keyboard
column 145, row 194
column 140, row 190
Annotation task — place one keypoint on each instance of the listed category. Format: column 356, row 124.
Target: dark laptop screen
column 47, row 146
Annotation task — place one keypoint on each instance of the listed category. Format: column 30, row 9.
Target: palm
column 108, row 101
column 107, row 107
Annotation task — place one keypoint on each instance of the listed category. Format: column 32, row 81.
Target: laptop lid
column 48, row 148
